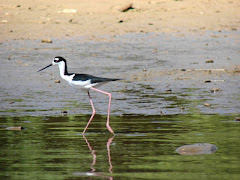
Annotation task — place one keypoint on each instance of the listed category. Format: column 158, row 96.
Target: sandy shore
column 58, row 18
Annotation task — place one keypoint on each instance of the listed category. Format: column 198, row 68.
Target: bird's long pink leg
column 109, row 105
column 93, row 113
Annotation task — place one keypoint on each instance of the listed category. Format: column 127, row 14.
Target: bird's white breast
column 84, row 84
column 69, row 78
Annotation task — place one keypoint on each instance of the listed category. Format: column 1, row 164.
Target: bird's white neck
column 64, row 73
column 62, row 69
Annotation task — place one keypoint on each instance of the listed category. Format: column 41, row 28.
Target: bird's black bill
column 45, row 67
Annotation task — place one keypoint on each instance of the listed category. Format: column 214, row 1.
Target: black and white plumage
column 84, row 81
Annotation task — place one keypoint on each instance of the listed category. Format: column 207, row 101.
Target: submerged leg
column 109, row 105
column 93, row 113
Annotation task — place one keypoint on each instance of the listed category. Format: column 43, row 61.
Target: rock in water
column 17, row 128
column 197, row 149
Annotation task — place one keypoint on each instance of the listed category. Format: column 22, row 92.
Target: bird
column 86, row 82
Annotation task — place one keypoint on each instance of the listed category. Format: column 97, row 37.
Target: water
column 142, row 148
column 163, row 103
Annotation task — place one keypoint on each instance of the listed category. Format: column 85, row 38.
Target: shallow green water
column 142, row 148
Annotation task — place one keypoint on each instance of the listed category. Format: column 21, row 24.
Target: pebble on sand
column 57, row 81
column 214, row 90
column 208, row 81
column 68, row 11
column 209, row 61
column 126, row 7
column 46, row 41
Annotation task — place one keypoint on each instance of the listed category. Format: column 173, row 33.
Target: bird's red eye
column 56, row 60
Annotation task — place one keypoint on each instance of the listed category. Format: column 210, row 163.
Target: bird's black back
column 93, row 79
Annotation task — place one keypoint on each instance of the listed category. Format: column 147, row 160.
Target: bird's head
column 57, row 60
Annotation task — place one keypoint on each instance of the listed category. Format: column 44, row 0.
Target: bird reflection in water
column 93, row 173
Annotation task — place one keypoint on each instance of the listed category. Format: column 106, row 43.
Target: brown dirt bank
column 38, row 19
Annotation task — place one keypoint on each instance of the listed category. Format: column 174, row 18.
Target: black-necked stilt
column 86, row 82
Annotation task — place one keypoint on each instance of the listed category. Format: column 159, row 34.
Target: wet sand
column 162, row 74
